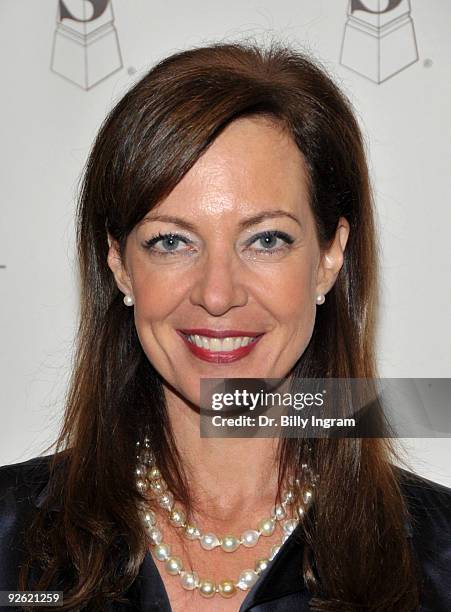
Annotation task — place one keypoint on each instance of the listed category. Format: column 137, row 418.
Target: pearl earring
column 128, row 300
column 320, row 299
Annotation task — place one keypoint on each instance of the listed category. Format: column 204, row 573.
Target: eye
column 168, row 244
column 272, row 241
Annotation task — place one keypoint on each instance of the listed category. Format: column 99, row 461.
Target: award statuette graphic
column 85, row 45
column 379, row 38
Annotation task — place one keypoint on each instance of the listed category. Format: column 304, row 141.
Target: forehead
column 252, row 166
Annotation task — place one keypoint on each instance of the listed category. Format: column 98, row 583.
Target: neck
column 227, row 476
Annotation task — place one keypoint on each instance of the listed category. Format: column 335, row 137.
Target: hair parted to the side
column 356, row 553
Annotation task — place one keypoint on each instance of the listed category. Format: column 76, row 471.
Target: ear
column 118, row 268
column 332, row 258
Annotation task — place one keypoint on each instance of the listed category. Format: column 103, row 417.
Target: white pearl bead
column 266, row 527
column 300, row 512
column 174, row 565
column 249, row 538
column 288, row 496
column 229, row 543
column 147, row 457
column 247, row 579
column 209, row 541
column 307, row 497
column 155, row 535
column 273, row 552
column 162, row 552
column 289, row 526
column 140, row 471
column 261, row 565
column 149, row 518
column 189, row 580
column 278, row 512
column 141, row 485
column 166, row 501
column 191, row 532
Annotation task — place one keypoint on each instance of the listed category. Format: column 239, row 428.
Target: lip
column 219, row 356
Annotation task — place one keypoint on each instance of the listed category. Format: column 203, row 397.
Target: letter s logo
column 98, row 8
column 357, row 5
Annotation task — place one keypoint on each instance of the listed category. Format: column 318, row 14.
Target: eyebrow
column 245, row 223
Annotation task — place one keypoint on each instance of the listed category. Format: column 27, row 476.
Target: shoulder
column 27, row 483
column 22, row 486
column 21, row 483
column 428, row 502
column 429, row 507
column 23, row 477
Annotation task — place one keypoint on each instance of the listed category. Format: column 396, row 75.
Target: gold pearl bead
column 266, row 527
column 177, row 517
column 207, row 588
column 192, row 532
column 158, row 486
column 154, row 473
column 226, row 588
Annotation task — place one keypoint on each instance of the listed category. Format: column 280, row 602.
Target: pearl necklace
column 148, row 478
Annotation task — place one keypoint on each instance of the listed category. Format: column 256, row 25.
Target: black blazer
column 23, row 487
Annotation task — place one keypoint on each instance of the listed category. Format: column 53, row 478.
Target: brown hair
column 357, row 556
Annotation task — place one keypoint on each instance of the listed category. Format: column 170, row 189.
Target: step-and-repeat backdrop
column 65, row 62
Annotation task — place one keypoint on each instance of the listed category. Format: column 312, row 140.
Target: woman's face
column 224, row 273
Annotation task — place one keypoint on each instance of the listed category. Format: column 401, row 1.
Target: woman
column 225, row 230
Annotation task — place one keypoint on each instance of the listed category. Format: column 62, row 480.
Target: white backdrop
column 57, row 88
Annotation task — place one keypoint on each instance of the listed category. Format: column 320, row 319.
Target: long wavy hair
column 356, row 553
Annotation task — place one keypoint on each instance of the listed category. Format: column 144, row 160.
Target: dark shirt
column 280, row 588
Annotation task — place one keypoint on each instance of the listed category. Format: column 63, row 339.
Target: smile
column 221, row 348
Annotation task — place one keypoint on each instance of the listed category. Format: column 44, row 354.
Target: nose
column 219, row 284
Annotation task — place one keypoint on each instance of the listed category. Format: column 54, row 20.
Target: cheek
column 291, row 293
column 156, row 295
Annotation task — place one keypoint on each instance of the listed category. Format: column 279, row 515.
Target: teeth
column 227, row 344
column 220, row 344
column 215, row 344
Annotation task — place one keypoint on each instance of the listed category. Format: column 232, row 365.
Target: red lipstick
column 219, row 356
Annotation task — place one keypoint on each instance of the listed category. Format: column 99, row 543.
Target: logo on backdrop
column 85, row 44
column 379, row 38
